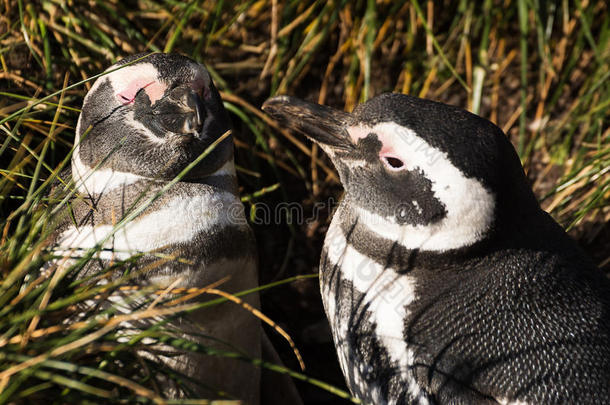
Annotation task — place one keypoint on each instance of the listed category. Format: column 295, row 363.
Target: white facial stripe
column 386, row 292
column 177, row 222
column 449, row 233
column 136, row 125
column 470, row 207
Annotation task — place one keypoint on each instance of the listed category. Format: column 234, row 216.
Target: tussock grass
column 538, row 69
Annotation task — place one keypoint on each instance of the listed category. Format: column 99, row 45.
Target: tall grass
column 538, row 69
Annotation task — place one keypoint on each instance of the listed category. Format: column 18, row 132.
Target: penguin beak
column 181, row 111
column 324, row 125
column 196, row 118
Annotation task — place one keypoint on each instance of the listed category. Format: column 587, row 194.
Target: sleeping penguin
column 141, row 125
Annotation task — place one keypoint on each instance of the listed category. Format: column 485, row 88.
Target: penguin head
column 428, row 175
column 151, row 118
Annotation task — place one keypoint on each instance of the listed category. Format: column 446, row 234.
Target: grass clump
column 538, row 69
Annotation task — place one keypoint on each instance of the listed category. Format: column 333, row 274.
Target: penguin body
column 442, row 279
column 140, row 126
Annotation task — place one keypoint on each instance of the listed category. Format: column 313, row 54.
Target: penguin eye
column 393, row 163
column 152, row 88
column 128, row 97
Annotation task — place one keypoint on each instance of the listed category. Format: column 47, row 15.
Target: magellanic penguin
column 442, row 278
column 141, row 125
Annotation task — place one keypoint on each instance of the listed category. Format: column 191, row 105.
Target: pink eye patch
column 153, row 88
column 387, row 142
column 389, row 154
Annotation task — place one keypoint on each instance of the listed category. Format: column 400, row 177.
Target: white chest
column 179, row 221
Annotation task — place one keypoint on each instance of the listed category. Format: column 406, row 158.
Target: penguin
column 443, row 280
column 142, row 124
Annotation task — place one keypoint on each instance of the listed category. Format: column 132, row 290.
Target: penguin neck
column 106, row 197
column 515, row 233
column 97, row 181
column 449, row 233
column 385, row 250
column 532, row 232
column 521, row 224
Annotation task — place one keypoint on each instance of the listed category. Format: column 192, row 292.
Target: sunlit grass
column 540, row 73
